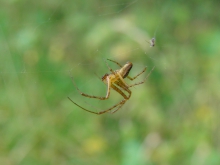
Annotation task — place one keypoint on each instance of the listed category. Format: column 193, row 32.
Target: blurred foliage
column 171, row 119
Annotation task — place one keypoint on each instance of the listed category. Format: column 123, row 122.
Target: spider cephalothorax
column 115, row 81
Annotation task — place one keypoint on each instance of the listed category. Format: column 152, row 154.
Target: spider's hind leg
column 132, row 78
column 143, row 80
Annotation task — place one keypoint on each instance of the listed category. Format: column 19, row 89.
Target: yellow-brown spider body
column 123, row 72
column 115, row 81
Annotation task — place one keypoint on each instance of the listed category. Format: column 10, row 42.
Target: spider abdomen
column 124, row 71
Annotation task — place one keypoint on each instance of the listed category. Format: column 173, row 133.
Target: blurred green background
column 171, row 119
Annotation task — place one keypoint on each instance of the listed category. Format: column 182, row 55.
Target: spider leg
column 122, row 80
column 119, row 91
column 143, row 80
column 119, row 106
column 120, row 84
column 115, row 63
column 121, row 103
column 96, row 97
column 102, row 112
column 132, row 78
column 113, row 72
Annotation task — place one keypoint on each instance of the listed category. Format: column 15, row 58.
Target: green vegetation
column 171, row 119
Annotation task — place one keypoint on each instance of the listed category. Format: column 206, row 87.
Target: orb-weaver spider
column 115, row 80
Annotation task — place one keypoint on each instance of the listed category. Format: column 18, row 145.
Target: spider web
column 39, row 53
column 43, row 46
column 24, row 61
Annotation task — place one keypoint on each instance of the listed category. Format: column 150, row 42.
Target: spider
column 115, row 81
